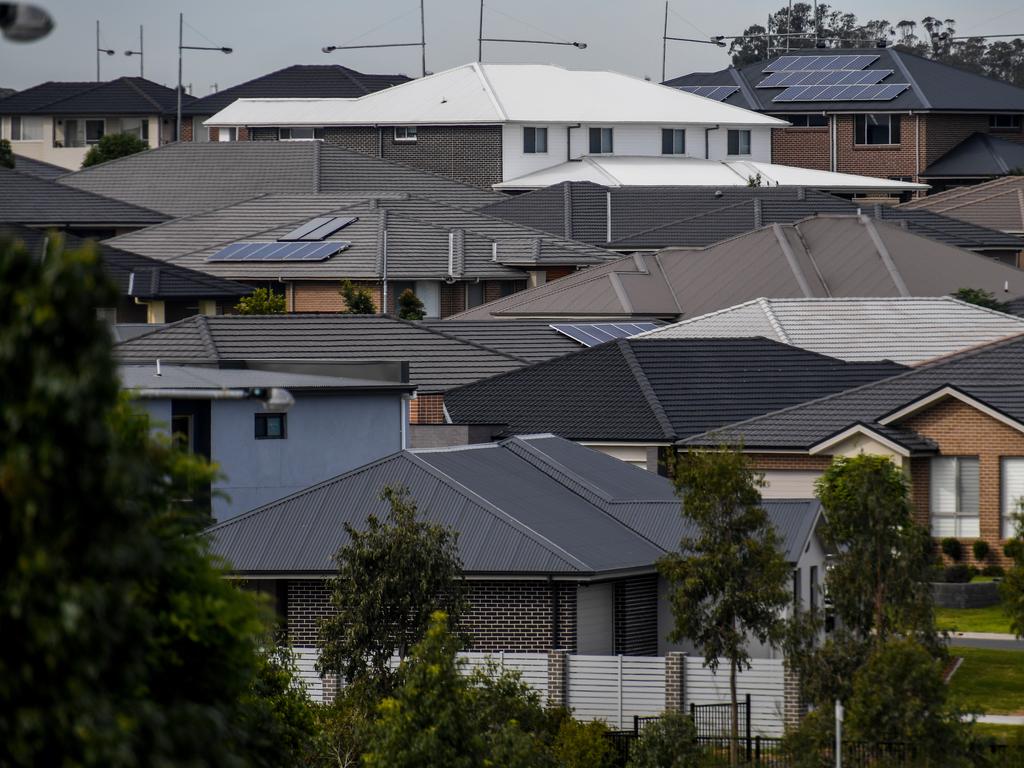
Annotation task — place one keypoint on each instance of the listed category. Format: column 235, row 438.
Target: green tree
column 261, row 301
column 358, row 301
column 980, row 297
column 391, row 577
column 122, row 644
column 668, row 742
column 410, row 307
column 1012, row 588
column 728, row 583
column 583, row 745
column 6, row 154
column 113, row 146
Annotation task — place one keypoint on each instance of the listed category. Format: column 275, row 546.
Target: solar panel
column 823, row 77
column 318, row 228
column 299, row 232
column 592, row 334
column 821, row 62
column 715, row 92
column 291, row 251
column 875, row 92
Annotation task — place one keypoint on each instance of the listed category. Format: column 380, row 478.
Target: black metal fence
column 716, row 719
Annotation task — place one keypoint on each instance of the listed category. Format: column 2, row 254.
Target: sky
column 622, row 35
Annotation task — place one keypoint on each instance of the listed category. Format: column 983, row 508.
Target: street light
column 481, row 39
column 108, row 51
column 138, row 53
column 182, row 47
column 422, row 44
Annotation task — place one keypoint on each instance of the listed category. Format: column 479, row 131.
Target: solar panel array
column 592, row 334
column 317, row 229
column 880, row 92
column 824, row 63
column 291, row 251
column 715, row 92
column 824, row 77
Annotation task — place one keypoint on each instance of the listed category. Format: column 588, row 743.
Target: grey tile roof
column 533, row 340
column 310, row 81
column 531, row 506
column 32, row 167
column 907, row 330
column 437, row 362
column 655, row 391
column 994, row 204
column 980, row 154
column 632, row 218
column 121, row 96
column 819, row 257
column 190, row 177
column 28, row 199
column 990, row 373
column 176, row 377
column 934, row 86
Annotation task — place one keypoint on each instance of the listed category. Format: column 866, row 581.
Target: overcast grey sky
column 622, row 35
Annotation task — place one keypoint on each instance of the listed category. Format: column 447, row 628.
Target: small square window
column 601, row 141
column 673, row 141
column 94, row 130
column 738, row 142
column 535, row 141
column 271, row 426
column 405, row 133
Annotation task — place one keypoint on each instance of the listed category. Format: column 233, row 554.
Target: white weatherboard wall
column 763, row 681
column 615, row 688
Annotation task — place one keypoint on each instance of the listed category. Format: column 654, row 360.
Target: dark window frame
column 260, row 430
column 861, row 132
column 318, row 133
column 733, row 143
column 530, row 135
column 668, row 141
column 1014, row 122
column 596, row 136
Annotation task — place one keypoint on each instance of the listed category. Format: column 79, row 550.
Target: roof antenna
column 158, row 367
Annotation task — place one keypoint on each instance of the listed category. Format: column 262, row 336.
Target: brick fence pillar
column 558, row 677
column 675, row 682
column 793, row 706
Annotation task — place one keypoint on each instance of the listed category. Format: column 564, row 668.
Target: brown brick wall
column 764, row 462
column 510, row 616
column 492, row 290
column 360, row 138
column 325, row 296
column 186, row 128
column 882, row 162
column 453, row 298
column 427, row 409
column 940, row 133
column 556, row 273
column 802, row 147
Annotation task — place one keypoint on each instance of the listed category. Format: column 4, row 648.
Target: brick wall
column 186, row 128
column 325, row 296
column 260, row 134
column 360, row 138
column 492, row 290
column 468, row 153
column 879, row 161
column 764, row 462
column 802, row 147
column 453, row 298
column 427, row 409
column 555, row 273
column 513, row 616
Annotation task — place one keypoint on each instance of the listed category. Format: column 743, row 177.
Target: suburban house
column 903, row 329
column 955, row 426
column 822, row 256
column 629, row 219
column 997, row 204
column 558, row 543
column 150, row 290
column 306, row 81
column 58, row 122
column 491, row 123
column 273, row 427
column 634, row 398
column 874, row 112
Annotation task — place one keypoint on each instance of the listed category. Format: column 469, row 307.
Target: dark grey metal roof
column 656, row 390
column 178, row 377
column 990, row 373
column 121, row 96
column 980, row 154
column 32, row 167
column 533, row 340
column 436, row 361
column 28, row 199
column 533, row 505
column 309, row 81
column 934, row 86
column 635, row 218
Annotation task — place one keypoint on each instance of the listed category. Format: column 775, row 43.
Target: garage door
column 789, row 484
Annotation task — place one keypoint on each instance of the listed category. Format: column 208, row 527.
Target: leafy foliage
column 668, row 742
column 113, row 146
column 391, row 577
column 1012, row 588
column 952, row 548
column 358, row 300
column 979, row 297
column 6, row 154
column 980, row 548
column 410, row 307
column 583, row 745
column 261, row 301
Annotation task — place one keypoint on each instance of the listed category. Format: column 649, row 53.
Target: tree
column 728, row 582
column 979, row 297
column 6, row 154
column 668, row 742
column 113, row 146
column 358, row 301
column 410, row 307
column 392, row 577
column 262, row 301
column 1012, row 588
column 123, row 645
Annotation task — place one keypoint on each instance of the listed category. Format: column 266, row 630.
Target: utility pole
column 142, row 58
column 423, row 40
column 181, row 36
column 480, row 37
column 108, row 51
column 664, row 42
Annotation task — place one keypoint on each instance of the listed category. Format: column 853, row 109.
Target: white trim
column 949, row 391
column 857, row 429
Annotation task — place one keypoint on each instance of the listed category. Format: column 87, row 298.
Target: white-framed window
column 94, row 130
column 876, row 129
column 535, row 140
column 26, row 128
column 405, row 133
column 1011, row 480
column 673, row 141
column 299, row 134
column 738, row 141
column 602, row 141
column 227, row 134
column 953, row 496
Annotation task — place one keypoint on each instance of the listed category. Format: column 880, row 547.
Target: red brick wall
column 802, row 147
column 764, row 462
column 325, row 296
column 453, row 299
column 186, row 128
column 554, row 273
column 879, row 161
column 492, row 290
column 427, row 409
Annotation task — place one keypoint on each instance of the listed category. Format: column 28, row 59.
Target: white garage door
column 789, row 484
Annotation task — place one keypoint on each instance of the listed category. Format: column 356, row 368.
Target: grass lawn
column 1010, row 734
column 989, row 681
column 990, row 619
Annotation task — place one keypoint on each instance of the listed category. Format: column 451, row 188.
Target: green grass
column 989, row 681
column 1010, row 734
column 990, row 619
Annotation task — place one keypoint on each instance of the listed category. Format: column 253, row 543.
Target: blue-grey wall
column 159, row 412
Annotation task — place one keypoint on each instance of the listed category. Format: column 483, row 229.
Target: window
column 809, row 120
column 405, row 133
column 474, row 295
column 94, row 130
column 1004, row 122
column 1012, row 481
column 26, row 128
column 953, row 496
column 535, row 141
column 673, row 141
column 227, row 134
column 601, row 141
column 182, row 433
column 429, row 292
column 797, row 596
column 137, row 127
column 813, row 587
column 271, row 426
column 199, row 131
column 876, row 129
column 298, row 134
column 739, row 142
column 72, row 134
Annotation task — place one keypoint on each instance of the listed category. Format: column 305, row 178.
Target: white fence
column 615, row 688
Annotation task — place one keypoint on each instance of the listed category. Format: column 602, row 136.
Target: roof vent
column 757, row 213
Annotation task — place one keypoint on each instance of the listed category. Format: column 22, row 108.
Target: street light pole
column 422, row 44
column 481, row 39
column 99, row 50
column 182, row 47
column 142, row 58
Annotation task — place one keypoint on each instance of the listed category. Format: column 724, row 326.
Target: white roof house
column 908, row 330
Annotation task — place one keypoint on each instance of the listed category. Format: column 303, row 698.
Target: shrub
column 936, row 574
column 262, row 301
column 980, row 549
column 583, row 745
column 958, row 574
column 952, row 549
column 410, row 307
column 6, row 154
column 668, row 742
column 113, row 146
column 1014, row 548
column 996, row 571
column 358, row 301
